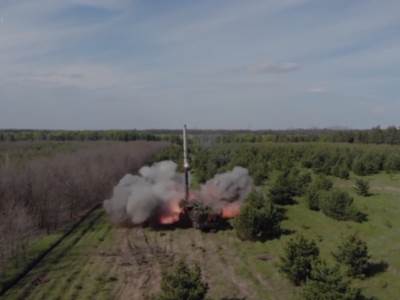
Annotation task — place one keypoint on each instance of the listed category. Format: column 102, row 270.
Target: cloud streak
column 275, row 68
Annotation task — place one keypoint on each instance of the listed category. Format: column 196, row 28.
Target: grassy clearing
column 74, row 268
column 17, row 264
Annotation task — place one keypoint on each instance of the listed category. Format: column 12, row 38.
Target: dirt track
column 99, row 261
column 143, row 254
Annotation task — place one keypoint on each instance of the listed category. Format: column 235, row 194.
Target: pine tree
column 327, row 283
column 259, row 219
column 353, row 253
column 182, row 282
column 299, row 255
column 362, row 187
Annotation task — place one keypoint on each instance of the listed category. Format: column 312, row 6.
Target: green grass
column 73, row 270
column 16, row 265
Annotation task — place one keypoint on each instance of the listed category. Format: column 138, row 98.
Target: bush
column 258, row 219
column 329, row 284
column 362, row 187
column 313, row 195
column 283, row 189
column 353, row 253
column 259, row 172
column 312, row 198
column 341, row 171
column 182, row 283
column 392, row 163
column 300, row 181
column 322, row 182
column 299, row 255
column 339, row 205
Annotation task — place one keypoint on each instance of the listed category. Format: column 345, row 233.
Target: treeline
column 80, row 135
column 322, row 158
column 376, row 135
column 45, row 194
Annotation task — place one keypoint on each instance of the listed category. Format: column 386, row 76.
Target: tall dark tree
column 299, row 255
column 259, row 219
column 328, row 283
column 182, row 282
column 353, row 253
column 282, row 189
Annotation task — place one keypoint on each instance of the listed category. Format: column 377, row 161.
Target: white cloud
column 275, row 68
column 317, row 90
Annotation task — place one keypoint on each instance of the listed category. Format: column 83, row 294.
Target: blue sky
column 98, row 64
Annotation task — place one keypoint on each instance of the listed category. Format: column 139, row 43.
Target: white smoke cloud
column 158, row 189
column 226, row 188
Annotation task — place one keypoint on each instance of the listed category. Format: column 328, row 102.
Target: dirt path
column 100, row 261
column 144, row 253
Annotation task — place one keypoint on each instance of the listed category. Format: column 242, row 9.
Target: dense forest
column 263, row 158
column 48, row 189
column 376, row 135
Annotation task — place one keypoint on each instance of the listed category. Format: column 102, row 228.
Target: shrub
column 322, row 182
column 353, row 253
column 313, row 195
column 182, row 282
column 312, row 198
column 362, row 187
column 299, row 181
column 341, row 171
column 258, row 219
column 299, row 255
column 329, row 284
column 339, row 205
column 359, row 167
column 282, row 189
column 392, row 162
column 259, row 172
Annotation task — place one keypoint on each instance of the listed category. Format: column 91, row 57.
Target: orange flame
column 231, row 210
column 171, row 213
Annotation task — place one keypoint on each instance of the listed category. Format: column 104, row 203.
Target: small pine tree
column 299, row 255
column 258, row 219
column 312, row 198
column 320, row 184
column 329, row 284
column 353, row 253
column 362, row 187
column 338, row 205
column 283, row 189
column 182, row 282
column 341, row 171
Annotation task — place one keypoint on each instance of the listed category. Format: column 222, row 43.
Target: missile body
column 186, row 166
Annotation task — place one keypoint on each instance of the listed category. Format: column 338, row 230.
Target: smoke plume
column 156, row 195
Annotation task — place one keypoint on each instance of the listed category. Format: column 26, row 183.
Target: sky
column 227, row 64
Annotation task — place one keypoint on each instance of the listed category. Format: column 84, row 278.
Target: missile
column 186, row 166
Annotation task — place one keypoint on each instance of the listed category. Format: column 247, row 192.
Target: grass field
column 99, row 261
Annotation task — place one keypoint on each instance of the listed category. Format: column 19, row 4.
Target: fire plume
column 171, row 213
column 231, row 210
